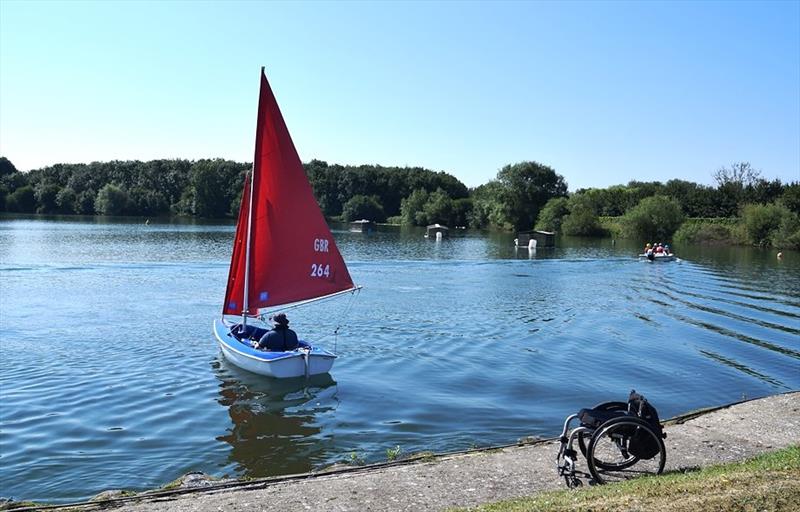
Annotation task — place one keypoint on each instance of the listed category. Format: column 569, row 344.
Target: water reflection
column 275, row 427
column 435, row 354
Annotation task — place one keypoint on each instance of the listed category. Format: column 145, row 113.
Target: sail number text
column 320, row 270
column 320, row 245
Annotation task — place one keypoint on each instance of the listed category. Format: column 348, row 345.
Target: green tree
column 438, row 208
column 363, row 207
column 22, row 200
column 582, row 219
column 46, row 194
column 791, row 197
column 761, row 221
column 111, row 200
column 462, row 211
column 412, row 208
column 487, row 208
column 65, row 200
column 84, row 203
column 6, row 167
column 143, row 201
column 655, row 218
column 741, row 174
column 552, row 215
column 525, row 189
column 208, row 181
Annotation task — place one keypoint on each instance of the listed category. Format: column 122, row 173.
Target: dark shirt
column 278, row 339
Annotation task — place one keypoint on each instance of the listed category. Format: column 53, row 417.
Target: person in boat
column 280, row 338
column 648, row 248
column 659, row 248
column 667, row 250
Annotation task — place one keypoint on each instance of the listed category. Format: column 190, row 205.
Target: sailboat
column 284, row 254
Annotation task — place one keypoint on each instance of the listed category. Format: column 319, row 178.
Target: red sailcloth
column 293, row 256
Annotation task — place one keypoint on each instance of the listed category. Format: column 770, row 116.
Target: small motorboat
column 655, row 258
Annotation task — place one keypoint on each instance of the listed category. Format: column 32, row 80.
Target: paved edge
column 264, row 483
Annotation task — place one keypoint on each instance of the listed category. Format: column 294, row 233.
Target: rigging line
column 344, row 312
column 343, row 318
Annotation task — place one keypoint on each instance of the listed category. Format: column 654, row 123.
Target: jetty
column 438, row 482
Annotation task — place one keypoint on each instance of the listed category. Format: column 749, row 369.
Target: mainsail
column 293, row 256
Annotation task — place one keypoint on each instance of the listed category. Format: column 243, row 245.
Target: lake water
column 110, row 376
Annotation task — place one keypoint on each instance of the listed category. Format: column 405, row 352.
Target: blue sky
column 603, row 92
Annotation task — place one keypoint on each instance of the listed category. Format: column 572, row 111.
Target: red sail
column 293, row 255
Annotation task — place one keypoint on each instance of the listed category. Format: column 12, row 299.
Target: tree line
column 521, row 196
column 743, row 208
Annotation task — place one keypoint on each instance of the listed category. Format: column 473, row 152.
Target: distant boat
column 362, row 226
column 657, row 258
column 283, row 254
column 535, row 239
column 437, row 231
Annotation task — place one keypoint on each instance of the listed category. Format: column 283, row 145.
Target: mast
column 245, row 302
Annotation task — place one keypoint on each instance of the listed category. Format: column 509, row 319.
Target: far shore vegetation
column 743, row 208
column 765, row 483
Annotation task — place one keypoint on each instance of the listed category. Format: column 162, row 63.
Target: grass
column 393, row 453
column 770, row 482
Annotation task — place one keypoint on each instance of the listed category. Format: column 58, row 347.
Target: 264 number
column 320, row 270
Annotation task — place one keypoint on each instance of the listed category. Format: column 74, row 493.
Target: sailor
column 280, row 338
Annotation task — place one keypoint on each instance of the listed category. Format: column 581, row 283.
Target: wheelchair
column 620, row 441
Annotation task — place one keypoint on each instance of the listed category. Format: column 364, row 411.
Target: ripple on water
column 109, row 361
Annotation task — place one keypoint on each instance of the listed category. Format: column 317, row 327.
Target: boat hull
column 305, row 361
column 658, row 258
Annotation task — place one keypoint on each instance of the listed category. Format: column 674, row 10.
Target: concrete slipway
column 729, row 433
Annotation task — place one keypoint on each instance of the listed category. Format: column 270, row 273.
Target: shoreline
column 428, row 481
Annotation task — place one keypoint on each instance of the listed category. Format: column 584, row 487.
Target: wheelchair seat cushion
column 593, row 418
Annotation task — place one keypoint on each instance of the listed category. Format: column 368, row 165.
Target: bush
column 760, row 221
column 655, row 217
column 582, row 219
column 552, row 215
column 84, row 203
column 788, row 234
column 411, row 208
column 363, row 207
column 791, row 197
column 65, row 200
column 438, row 208
column 111, row 200
column 21, row 200
column 704, row 233
column 770, row 224
column 46, row 194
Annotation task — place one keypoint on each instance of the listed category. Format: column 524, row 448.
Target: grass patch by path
column 770, row 482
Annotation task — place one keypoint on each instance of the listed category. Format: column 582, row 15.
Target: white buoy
column 532, row 244
column 438, row 236
column 780, row 255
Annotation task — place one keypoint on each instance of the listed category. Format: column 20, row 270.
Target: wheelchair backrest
column 640, row 407
column 642, row 444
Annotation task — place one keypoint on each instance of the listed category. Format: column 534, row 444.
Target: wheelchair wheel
column 614, row 446
column 585, row 437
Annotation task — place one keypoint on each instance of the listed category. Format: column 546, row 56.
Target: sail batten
column 293, row 256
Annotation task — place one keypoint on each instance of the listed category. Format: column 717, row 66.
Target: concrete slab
column 468, row 479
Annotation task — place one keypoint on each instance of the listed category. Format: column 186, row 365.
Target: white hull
column 280, row 365
column 659, row 258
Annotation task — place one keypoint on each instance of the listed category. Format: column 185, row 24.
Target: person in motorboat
column 648, row 248
column 659, row 248
column 667, row 250
column 280, row 338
